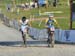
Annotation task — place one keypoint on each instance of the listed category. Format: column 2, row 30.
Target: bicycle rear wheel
column 52, row 40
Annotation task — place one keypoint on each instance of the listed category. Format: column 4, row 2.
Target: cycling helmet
column 51, row 15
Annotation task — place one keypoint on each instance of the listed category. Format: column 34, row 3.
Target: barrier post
column 71, row 14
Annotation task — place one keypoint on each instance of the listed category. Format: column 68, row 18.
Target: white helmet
column 51, row 15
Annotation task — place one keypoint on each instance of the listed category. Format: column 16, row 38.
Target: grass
column 63, row 22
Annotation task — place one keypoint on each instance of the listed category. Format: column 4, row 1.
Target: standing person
column 50, row 28
column 24, row 28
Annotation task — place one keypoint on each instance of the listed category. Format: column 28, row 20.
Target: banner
column 67, row 36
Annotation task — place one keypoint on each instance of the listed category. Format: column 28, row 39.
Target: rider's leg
column 48, row 37
column 27, row 34
column 23, row 37
column 48, row 40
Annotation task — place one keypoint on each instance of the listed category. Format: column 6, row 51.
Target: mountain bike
column 50, row 38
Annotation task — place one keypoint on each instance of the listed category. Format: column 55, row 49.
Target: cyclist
column 50, row 28
column 24, row 24
column 24, row 27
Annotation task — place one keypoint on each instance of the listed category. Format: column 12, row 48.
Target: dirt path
column 59, row 50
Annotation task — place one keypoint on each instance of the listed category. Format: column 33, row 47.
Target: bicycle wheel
column 52, row 40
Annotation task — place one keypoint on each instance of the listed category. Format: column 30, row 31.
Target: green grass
column 63, row 22
column 73, row 24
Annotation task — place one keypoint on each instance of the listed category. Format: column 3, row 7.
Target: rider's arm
column 20, row 21
column 46, row 23
column 56, row 22
column 29, row 22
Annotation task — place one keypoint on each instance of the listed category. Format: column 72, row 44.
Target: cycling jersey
column 50, row 24
column 24, row 25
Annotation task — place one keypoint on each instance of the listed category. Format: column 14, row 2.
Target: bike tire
column 52, row 40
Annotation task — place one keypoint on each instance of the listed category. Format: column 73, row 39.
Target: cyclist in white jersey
column 24, row 28
column 24, row 24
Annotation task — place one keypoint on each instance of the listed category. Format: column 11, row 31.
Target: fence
column 60, row 35
column 36, row 33
column 11, row 23
column 66, row 36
